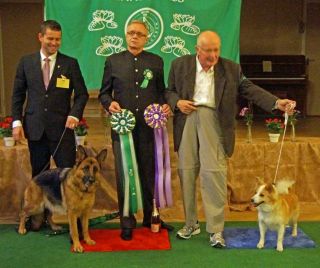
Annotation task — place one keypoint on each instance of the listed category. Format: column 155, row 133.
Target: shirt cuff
column 75, row 118
column 16, row 123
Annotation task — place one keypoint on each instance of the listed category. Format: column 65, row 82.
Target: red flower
column 81, row 129
column 6, row 127
column 8, row 119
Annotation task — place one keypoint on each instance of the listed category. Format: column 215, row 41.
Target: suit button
column 136, row 70
column 137, row 110
column 45, row 109
column 137, row 96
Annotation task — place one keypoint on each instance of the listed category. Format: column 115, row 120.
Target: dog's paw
column 56, row 227
column 77, row 248
column 260, row 244
column 279, row 248
column 90, row 242
column 294, row 233
column 22, row 231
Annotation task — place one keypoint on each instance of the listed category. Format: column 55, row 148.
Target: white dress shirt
column 52, row 61
column 204, row 86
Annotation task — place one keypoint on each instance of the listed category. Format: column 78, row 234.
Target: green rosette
column 148, row 75
column 123, row 123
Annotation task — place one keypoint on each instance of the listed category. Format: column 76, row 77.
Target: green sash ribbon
column 148, row 75
column 123, row 123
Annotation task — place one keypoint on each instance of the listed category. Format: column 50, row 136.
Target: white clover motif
column 102, row 19
column 110, row 45
column 175, row 45
column 185, row 24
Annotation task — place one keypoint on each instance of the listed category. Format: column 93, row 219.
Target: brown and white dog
column 66, row 190
column 277, row 207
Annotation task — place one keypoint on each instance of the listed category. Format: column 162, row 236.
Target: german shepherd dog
column 65, row 190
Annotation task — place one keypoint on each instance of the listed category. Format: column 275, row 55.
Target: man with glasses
column 124, row 87
column 203, row 91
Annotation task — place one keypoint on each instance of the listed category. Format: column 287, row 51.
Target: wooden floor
column 306, row 127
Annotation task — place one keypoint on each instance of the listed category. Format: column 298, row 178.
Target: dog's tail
column 284, row 185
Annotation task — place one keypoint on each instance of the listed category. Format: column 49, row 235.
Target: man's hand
column 186, row 106
column 286, row 105
column 18, row 133
column 114, row 107
column 166, row 109
column 71, row 122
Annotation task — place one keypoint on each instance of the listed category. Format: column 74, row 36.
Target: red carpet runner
column 143, row 239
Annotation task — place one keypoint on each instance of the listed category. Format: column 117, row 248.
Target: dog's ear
column 260, row 180
column 81, row 154
column 102, row 156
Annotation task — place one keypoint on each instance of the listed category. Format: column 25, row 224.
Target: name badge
column 63, row 82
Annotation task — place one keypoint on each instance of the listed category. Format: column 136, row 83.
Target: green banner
column 95, row 29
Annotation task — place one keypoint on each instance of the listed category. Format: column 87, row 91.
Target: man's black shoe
column 126, row 234
column 169, row 227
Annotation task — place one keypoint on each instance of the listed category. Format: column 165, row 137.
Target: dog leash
column 55, row 151
column 286, row 116
column 92, row 222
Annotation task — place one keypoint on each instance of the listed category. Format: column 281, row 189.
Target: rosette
column 154, row 116
column 123, row 123
column 148, row 75
column 157, row 119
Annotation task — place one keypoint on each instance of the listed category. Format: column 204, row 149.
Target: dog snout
column 88, row 180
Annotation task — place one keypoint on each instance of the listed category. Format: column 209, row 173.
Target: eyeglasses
column 138, row 34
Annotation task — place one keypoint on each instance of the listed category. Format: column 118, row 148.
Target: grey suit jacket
column 47, row 110
column 230, row 83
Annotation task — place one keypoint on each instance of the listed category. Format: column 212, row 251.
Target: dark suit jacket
column 123, row 75
column 47, row 110
column 229, row 84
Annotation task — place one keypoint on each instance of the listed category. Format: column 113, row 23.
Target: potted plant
column 247, row 114
column 81, row 130
column 6, row 131
column 275, row 128
column 292, row 120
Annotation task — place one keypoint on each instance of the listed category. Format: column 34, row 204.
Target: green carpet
column 37, row 250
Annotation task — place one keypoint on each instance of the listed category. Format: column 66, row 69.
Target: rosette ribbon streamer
column 156, row 119
column 123, row 123
column 148, row 75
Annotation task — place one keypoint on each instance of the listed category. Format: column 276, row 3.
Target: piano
column 282, row 75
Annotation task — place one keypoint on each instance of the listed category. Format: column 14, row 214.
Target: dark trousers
column 144, row 147
column 42, row 150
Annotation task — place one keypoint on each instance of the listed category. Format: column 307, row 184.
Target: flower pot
column 8, row 141
column 80, row 140
column 274, row 137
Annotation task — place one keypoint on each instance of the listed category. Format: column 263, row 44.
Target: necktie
column 46, row 72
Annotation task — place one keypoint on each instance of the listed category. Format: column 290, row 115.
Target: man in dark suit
column 202, row 91
column 46, row 80
column 121, row 89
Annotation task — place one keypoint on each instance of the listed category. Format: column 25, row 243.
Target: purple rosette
column 154, row 116
column 157, row 119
